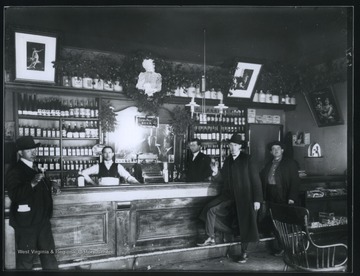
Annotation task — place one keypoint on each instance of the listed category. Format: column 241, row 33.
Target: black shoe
column 243, row 258
column 279, row 253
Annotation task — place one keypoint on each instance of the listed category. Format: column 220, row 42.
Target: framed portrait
column 244, row 80
column 324, row 107
column 34, row 54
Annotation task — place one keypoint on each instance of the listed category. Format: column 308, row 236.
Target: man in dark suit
column 31, row 208
column 239, row 200
column 280, row 182
column 198, row 164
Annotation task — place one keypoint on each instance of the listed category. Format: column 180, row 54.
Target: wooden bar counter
column 92, row 223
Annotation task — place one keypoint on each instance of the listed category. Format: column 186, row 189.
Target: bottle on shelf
column 268, row 97
column 96, row 109
column 262, row 97
column 71, row 109
column 20, row 103
column 76, row 109
column 287, row 99
column 81, row 109
column 69, row 131
column 25, row 105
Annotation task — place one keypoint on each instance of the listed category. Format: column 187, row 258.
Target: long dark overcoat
column 247, row 189
column 39, row 198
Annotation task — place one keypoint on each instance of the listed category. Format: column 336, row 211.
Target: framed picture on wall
column 244, row 80
column 34, row 54
column 324, row 107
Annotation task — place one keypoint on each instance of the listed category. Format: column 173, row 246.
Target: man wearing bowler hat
column 31, row 209
column 280, row 182
column 240, row 198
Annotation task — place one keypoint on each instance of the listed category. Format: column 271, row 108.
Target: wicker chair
column 300, row 251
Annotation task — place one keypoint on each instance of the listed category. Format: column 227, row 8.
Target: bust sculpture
column 149, row 81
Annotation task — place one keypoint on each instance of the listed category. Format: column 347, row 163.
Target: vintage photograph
column 324, row 107
column 34, row 59
column 176, row 139
column 245, row 78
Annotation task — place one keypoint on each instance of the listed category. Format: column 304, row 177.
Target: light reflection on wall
column 130, row 140
column 127, row 135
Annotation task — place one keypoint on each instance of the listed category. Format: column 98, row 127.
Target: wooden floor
column 217, row 258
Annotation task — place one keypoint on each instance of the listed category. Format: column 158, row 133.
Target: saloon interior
column 305, row 53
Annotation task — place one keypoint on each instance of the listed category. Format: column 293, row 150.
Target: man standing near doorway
column 198, row 164
column 241, row 192
column 280, row 181
column 31, row 209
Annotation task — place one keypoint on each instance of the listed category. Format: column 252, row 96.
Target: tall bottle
column 81, row 109
column 20, row 103
column 165, row 172
column 96, row 110
column 76, row 109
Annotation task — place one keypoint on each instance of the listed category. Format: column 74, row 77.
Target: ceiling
column 288, row 34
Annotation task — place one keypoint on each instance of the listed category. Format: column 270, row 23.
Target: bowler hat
column 26, row 142
column 276, row 143
column 237, row 138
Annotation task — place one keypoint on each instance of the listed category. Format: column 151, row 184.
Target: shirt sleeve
column 122, row 172
column 90, row 171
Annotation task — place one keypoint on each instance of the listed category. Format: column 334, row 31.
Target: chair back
column 300, row 252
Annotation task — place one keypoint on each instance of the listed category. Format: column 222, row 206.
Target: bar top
column 75, row 195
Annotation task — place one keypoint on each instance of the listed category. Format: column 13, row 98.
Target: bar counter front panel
column 107, row 221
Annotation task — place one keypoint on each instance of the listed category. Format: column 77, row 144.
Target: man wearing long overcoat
column 240, row 197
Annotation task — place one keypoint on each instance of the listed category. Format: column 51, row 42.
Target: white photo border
column 246, row 93
column 22, row 71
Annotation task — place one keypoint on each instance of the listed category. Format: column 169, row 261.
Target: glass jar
column 117, row 86
column 76, row 82
column 262, row 97
column 87, row 82
column 268, row 97
column 98, row 83
column 108, row 85
column 293, row 99
column 287, row 99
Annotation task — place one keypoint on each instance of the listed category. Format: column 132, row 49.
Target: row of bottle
column 54, row 150
column 89, row 129
column 211, row 133
column 77, row 165
column 77, row 151
column 36, row 131
column 48, row 164
column 268, row 97
column 212, row 149
column 232, row 117
column 78, row 108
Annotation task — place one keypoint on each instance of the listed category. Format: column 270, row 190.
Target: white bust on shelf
column 149, row 81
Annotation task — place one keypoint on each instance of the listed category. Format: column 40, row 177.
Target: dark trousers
column 32, row 241
column 273, row 196
column 223, row 209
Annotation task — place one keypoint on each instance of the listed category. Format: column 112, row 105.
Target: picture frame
column 324, row 107
column 245, row 77
column 34, row 56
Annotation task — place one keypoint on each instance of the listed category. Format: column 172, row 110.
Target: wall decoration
column 9, row 130
column 244, row 80
column 34, row 55
column 324, row 107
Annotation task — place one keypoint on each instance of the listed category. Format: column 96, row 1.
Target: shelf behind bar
column 57, row 90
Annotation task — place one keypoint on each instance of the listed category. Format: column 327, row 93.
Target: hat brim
column 32, row 147
column 242, row 143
